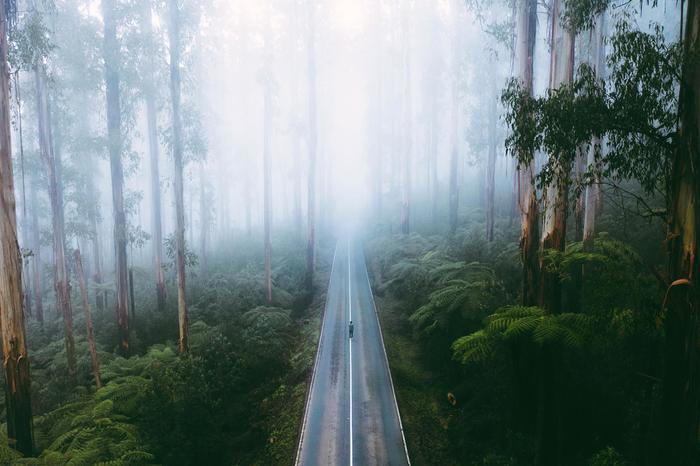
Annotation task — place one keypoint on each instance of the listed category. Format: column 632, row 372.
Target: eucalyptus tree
column 14, row 348
column 681, row 413
column 149, row 92
column 312, row 142
column 175, row 93
column 112, row 63
column 36, row 55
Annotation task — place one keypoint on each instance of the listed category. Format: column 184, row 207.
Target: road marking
column 318, row 355
column 350, row 340
column 386, row 358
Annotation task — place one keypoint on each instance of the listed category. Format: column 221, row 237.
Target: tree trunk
column 313, row 143
column 154, row 154
column 550, row 434
column 175, row 91
column 61, row 283
column 554, row 233
column 593, row 190
column 100, row 297
column 681, row 395
column 88, row 319
column 36, row 259
column 204, row 221
column 453, row 207
column 491, row 168
column 527, row 191
column 18, row 404
column 111, row 54
column 407, row 127
column 267, row 163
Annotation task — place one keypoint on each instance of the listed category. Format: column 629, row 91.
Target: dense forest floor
column 238, row 398
column 462, row 351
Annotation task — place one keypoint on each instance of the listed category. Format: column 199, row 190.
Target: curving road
column 351, row 415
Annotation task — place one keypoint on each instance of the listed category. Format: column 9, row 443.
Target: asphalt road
column 351, row 415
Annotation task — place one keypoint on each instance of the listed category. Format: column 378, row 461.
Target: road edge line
column 318, row 352
column 386, row 358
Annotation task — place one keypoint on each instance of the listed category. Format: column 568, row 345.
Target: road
column 351, row 415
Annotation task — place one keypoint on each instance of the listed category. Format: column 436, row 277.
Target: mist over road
column 351, row 417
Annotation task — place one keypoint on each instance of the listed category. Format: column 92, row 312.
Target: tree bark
column 36, row 259
column 491, row 169
column 204, row 221
column 313, row 143
column 453, row 206
column 61, row 280
column 267, row 163
column 681, row 394
column 175, row 91
column 154, row 154
column 593, row 190
column 88, row 319
column 111, row 54
column 100, row 298
column 16, row 360
column 527, row 192
column 407, row 127
column 556, row 196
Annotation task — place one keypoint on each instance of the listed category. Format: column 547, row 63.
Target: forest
column 350, row 232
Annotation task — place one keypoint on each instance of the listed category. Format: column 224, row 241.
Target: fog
column 204, row 204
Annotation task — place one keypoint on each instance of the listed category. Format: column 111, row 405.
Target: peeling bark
column 15, row 358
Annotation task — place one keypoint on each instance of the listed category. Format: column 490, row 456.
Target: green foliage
column 522, row 323
column 608, row 457
column 580, row 15
column 636, row 112
column 463, row 292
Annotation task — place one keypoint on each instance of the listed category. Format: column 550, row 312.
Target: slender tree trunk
column 491, row 169
column 204, row 221
column 593, row 190
column 154, row 155
column 527, row 192
column 267, row 164
column 554, row 233
column 36, row 259
column 453, row 207
column 61, row 283
column 681, row 394
column 96, row 250
column 111, row 53
column 175, row 91
column 313, row 143
column 88, row 319
column 408, row 128
column 18, row 404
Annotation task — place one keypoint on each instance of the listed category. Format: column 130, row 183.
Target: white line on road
column 313, row 373
column 350, row 340
column 388, row 368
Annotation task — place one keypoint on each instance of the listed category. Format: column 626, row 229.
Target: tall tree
column 175, row 91
column 52, row 164
column 527, row 192
column 14, row 349
column 37, row 282
column 313, row 144
column 153, row 151
column 597, row 61
column 267, row 162
column 88, row 319
column 453, row 207
column 407, row 136
column 681, row 393
column 556, row 195
column 491, row 166
column 112, row 65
